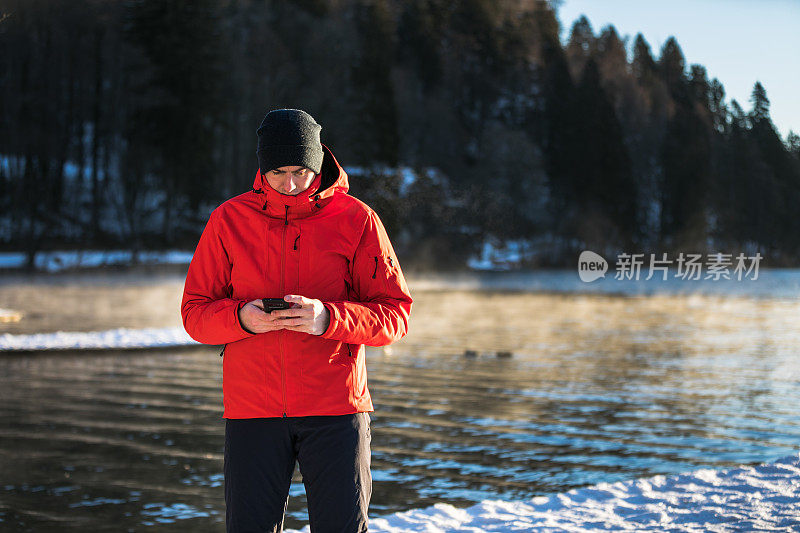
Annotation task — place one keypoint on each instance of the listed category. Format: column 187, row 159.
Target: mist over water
column 589, row 388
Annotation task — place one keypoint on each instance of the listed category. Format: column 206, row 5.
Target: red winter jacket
column 321, row 244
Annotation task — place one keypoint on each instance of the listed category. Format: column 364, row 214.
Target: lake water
column 588, row 388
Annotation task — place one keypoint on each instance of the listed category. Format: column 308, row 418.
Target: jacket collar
column 331, row 180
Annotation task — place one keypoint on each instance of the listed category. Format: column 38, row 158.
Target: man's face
column 290, row 180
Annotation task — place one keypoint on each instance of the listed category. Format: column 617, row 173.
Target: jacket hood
column 332, row 179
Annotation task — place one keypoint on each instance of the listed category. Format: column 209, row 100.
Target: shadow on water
column 596, row 388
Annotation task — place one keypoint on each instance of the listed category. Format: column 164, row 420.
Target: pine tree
column 793, row 144
column 604, row 186
column 378, row 137
column 672, row 69
column 581, row 37
column 684, row 188
column 611, row 55
column 760, row 103
column 699, row 87
column 559, row 138
column 477, row 68
column 643, row 64
column 738, row 116
column 581, row 46
column 717, row 106
column 418, row 36
column 745, row 190
column 784, row 172
column 182, row 45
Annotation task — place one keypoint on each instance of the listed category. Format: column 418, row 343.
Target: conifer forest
column 124, row 123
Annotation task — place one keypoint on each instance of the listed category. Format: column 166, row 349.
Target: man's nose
column 289, row 185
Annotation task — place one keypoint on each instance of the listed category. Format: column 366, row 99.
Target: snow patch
column 750, row 498
column 95, row 340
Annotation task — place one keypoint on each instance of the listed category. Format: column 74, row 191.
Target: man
column 294, row 380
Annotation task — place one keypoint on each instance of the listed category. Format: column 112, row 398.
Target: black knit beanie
column 287, row 138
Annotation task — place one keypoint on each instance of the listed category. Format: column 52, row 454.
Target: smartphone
column 272, row 304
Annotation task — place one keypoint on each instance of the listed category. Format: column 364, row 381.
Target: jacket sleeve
column 379, row 316
column 210, row 315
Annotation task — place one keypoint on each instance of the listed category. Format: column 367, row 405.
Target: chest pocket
column 256, row 264
column 324, row 269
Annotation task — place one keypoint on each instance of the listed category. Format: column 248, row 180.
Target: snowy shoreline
column 765, row 497
column 120, row 338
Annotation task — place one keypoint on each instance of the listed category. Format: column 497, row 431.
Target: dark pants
column 334, row 457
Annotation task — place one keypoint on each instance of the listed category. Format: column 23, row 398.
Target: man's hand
column 307, row 315
column 255, row 320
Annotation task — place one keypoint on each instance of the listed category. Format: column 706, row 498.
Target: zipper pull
column 295, row 242
column 376, row 267
column 286, row 220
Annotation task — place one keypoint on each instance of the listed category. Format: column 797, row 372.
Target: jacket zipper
column 280, row 339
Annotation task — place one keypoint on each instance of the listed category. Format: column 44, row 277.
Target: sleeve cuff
column 334, row 320
column 241, row 327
